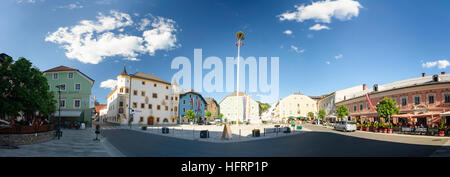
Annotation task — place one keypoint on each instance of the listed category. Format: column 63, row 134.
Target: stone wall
column 22, row 139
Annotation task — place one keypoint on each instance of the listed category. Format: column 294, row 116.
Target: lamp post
column 58, row 131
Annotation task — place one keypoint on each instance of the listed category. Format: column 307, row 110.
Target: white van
column 345, row 126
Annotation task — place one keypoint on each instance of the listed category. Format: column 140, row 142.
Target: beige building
column 295, row 105
column 240, row 108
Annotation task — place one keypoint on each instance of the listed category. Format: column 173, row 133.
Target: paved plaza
column 240, row 133
column 73, row 143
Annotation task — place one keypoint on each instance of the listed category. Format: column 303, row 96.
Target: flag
column 370, row 101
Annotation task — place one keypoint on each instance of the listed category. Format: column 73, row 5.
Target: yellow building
column 295, row 105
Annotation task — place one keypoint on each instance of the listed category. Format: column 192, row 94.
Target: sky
column 322, row 45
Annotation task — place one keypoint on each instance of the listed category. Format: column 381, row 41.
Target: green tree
column 322, row 114
column 208, row 114
column 342, row 111
column 220, row 116
column 263, row 107
column 7, row 106
column 386, row 108
column 190, row 114
column 28, row 89
column 311, row 115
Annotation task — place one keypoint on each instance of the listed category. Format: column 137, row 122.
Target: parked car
column 211, row 122
column 345, row 126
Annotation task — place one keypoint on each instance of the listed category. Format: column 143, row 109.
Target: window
column 404, row 102
column 184, row 101
column 167, row 97
column 184, row 110
column 141, row 119
column 134, row 105
column 167, row 108
column 135, row 92
column 121, row 104
column 354, row 108
column 158, row 107
column 417, row 100
column 77, row 103
column 149, row 106
column 157, row 119
column 143, row 82
column 142, row 93
column 368, row 105
column 176, row 98
column 121, row 90
column 430, row 99
column 175, row 108
column 155, row 95
column 62, row 103
column 70, row 75
column 126, row 90
column 446, row 97
column 142, row 105
column 77, row 86
column 48, row 87
column 167, row 87
column 55, row 76
column 361, row 107
column 154, row 85
column 63, row 87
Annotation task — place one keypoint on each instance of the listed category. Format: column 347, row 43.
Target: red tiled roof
column 61, row 68
column 99, row 107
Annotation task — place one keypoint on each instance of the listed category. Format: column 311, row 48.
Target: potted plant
column 381, row 125
column 375, row 127
column 368, row 126
column 441, row 128
column 144, row 127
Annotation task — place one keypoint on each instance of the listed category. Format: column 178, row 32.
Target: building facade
column 151, row 100
column 295, row 105
column 191, row 100
column 75, row 103
column 328, row 102
column 239, row 108
column 421, row 101
column 213, row 107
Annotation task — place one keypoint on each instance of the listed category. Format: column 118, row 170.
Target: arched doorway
column 150, row 120
column 166, row 121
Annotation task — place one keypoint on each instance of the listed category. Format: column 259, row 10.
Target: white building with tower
column 152, row 99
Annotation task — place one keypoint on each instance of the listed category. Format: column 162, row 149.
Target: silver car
column 345, row 126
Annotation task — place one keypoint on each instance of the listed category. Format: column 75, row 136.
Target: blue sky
column 376, row 41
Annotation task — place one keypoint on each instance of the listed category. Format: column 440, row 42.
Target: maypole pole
column 239, row 43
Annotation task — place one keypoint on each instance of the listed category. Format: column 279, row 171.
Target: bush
column 441, row 125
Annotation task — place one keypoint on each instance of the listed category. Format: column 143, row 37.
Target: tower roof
column 124, row 71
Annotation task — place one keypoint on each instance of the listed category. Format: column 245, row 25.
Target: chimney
column 364, row 87
column 443, row 73
column 423, row 74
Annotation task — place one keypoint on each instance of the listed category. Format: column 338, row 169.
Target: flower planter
column 367, row 128
column 441, row 133
column 384, row 130
column 390, row 130
column 381, row 130
column 375, row 130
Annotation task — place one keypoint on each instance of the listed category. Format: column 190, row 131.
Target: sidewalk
column 73, row 143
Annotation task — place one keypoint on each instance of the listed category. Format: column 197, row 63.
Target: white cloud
column 144, row 23
column 339, row 56
column 327, row 62
column 26, row 1
column 318, row 27
column 296, row 49
column 324, row 11
column 72, row 6
column 441, row 64
column 110, row 83
column 288, row 32
column 93, row 41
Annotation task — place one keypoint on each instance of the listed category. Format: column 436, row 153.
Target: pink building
column 422, row 101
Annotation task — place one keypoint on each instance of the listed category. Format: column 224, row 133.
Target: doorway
column 150, row 120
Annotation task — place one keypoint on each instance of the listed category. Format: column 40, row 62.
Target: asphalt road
column 309, row 144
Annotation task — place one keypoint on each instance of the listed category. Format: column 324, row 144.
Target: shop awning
column 445, row 113
column 68, row 113
column 414, row 115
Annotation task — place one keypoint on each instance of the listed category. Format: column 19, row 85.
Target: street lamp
column 240, row 36
column 58, row 131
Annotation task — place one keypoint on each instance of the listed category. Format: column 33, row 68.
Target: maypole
column 239, row 43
